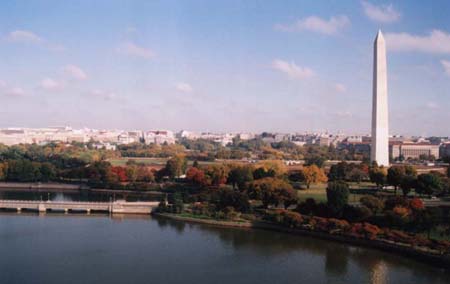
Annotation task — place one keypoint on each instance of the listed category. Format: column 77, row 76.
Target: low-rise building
column 409, row 150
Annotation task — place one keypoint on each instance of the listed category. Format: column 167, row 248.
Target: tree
column 48, row 172
column 239, row 176
column 312, row 175
column 378, row 175
column 373, row 203
column 231, row 198
column 428, row 184
column 3, row 171
column 357, row 175
column 275, row 168
column 132, row 172
column 337, row 196
column 395, row 175
column 319, row 161
column 338, row 171
column 272, row 191
column 196, row 176
column 176, row 166
column 216, row 174
column 407, row 183
column 177, row 202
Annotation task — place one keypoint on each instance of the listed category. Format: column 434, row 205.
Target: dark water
column 75, row 195
column 99, row 249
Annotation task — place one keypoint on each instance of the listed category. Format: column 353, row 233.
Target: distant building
column 444, row 150
column 410, row 150
column 159, row 137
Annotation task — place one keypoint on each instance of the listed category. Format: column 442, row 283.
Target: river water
column 55, row 248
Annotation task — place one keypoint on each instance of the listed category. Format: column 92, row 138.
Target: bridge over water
column 75, row 206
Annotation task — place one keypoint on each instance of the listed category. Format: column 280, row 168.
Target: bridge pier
column 19, row 210
column 66, row 211
column 88, row 211
column 41, row 208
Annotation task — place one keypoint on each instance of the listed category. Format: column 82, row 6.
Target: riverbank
column 64, row 187
column 419, row 253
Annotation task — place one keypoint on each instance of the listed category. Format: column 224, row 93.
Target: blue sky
column 222, row 65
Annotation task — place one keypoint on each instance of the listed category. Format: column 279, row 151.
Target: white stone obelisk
column 380, row 116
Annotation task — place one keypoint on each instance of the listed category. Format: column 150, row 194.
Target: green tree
column 239, row 176
column 378, row 175
column 428, row 184
column 395, row 175
column 176, row 166
column 337, row 197
column 47, row 172
column 338, row 171
column 407, row 184
column 177, row 202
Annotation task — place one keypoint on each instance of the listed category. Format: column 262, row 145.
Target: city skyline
column 268, row 68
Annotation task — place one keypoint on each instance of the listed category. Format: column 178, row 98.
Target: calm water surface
column 99, row 249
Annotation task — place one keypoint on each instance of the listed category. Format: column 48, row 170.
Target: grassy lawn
column 150, row 161
column 146, row 161
column 319, row 192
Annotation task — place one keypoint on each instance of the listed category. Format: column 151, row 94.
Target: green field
column 319, row 193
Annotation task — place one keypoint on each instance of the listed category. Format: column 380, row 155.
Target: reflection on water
column 339, row 260
column 144, row 249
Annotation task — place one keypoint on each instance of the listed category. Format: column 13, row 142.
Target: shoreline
column 65, row 187
column 405, row 250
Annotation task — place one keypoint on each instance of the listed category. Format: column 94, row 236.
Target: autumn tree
column 216, row 174
column 196, row 176
column 272, row 191
column 312, row 175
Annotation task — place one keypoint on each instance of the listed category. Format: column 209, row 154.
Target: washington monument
column 380, row 120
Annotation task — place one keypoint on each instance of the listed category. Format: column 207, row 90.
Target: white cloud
column 382, row 13
column 436, row 42
column 15, row 92
column 75, row 72
column 446, row 65
column 50, row 84
column 340, row 88
column 292, row 70
column 2, row 84
column 131, row 49
column 316, row 24
column 184, row 87
column 24, row 36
